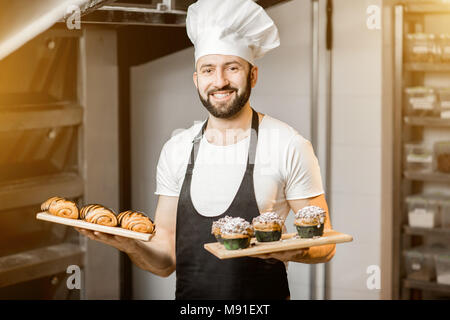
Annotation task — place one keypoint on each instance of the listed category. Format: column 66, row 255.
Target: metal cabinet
column 58, row 136
column 417, row 66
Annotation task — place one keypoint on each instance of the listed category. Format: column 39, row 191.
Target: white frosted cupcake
column 268, row 227
column 236, row 233
column 216, row 227
column 309, row 222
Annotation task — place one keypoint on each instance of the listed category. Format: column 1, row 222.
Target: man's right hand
column 157, row 255
column 124, row 244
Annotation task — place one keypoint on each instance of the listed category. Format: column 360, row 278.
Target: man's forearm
column 152, row 257
column 319, row 254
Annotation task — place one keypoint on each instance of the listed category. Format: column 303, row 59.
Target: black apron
column 200, row 275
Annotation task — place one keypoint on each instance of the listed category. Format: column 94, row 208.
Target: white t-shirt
column 285, row 169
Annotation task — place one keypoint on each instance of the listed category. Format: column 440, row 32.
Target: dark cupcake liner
column 267, row 236
column 236, row 243
column 309, row 231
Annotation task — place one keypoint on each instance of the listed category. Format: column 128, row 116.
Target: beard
column 228, row 109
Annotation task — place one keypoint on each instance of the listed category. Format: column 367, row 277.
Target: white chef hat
column 231, row 27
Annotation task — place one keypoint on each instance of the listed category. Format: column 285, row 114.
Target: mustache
column 228, row 88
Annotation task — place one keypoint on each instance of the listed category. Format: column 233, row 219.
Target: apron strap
column 196, row 145
column 253, row 140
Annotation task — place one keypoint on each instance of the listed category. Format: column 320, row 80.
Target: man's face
column 224, row 84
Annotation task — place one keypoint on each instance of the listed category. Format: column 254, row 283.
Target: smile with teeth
column 222, row 95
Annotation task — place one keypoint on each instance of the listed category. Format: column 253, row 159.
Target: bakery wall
column 357, row 149
column 163, row 99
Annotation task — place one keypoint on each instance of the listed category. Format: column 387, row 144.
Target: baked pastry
column 46, row 205
column 216, row 227
column 135, row 221
column 98, row 214
column 236, row 233
column 61, row 207
column 309, row 221
column 268, row 227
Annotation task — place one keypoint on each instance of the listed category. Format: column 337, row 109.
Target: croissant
column 135, row 221
column 98, row 214
column 46, row 205
column 60, row 207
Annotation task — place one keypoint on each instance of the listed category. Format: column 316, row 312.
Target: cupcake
column 216, row 225
column 267, row 227
column 236, row 234
column 309, row 222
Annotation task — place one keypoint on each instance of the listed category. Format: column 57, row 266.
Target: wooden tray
column 96, row 227
column 289, row 241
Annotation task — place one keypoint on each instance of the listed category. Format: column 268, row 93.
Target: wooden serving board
column 289, row 241
column 96, row 227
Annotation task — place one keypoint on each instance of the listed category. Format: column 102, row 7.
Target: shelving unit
column 38, row 263
column 427, row 122
column 409, row 128
column 426, row 176
column 29, row 191
column 425, row 285
column 415, row 231
column 426, row 67
column 40, row 118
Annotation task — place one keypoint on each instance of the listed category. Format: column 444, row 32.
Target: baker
column 238, row 162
